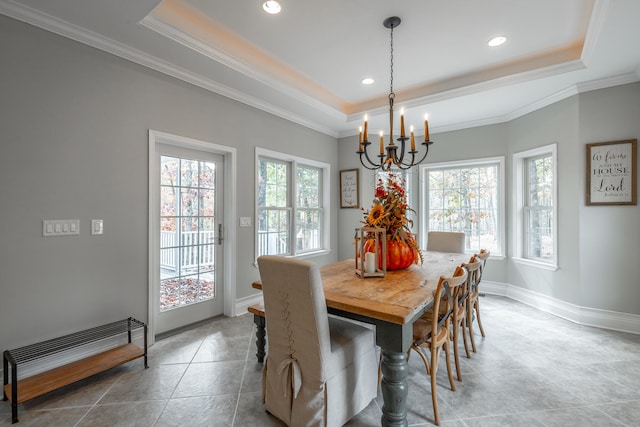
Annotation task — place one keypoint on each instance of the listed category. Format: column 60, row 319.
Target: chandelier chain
column 391, row 62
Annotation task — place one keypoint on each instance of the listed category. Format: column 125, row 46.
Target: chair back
column 296, row 315
column 445, row 241
column 474, row 268
column 482, row 257
column 444, row 302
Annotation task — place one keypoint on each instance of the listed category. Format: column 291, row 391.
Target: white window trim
column 424, row 202
column 519, row 192
column 326, row 197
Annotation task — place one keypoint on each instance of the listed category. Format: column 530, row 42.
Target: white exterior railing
column 189, row 250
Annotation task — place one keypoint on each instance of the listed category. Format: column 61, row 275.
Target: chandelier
column 393, row 155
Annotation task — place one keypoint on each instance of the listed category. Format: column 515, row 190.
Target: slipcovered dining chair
column 474, row 293
column 431, row 332
column 319, row 370
column 445, row 241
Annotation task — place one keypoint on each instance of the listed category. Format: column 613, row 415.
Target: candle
column 381, row 143
column 369, row 262
column 426, row 127
column 360, row 148
column 413, row 142
column 402, row 122
column 366, row 125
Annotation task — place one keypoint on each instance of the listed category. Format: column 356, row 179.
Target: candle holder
column 367, row 263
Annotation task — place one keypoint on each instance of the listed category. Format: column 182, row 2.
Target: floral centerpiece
column 389, row 211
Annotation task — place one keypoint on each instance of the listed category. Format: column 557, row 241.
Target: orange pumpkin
column 399, row 254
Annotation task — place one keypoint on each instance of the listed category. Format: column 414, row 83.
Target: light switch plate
column 245, row 221
column 96, row 227
column 60, row 227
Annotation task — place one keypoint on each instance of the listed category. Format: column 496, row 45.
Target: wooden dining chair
column 445, row 241
column 431, row 332
column 473, row 303
column 473, row 270
column 459, row 323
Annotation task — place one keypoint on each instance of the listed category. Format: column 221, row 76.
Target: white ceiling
column 306, row 64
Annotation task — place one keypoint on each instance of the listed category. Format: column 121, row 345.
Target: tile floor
column 532, row 370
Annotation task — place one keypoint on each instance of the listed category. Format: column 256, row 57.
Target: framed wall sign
column 349, row 189
column 611, row 173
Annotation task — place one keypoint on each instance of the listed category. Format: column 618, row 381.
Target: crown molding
column 65, row 29
column 594, row 30
column 189, row 41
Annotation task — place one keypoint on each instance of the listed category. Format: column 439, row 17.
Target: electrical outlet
column 96, row 227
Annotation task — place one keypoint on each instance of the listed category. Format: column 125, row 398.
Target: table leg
column 260, row 333
column 394, row 388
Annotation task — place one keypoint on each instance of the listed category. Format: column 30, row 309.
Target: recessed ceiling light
column 497, row 41
column 367, row 81
column 271, row 6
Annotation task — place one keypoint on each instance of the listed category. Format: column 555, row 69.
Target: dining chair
column 459, row 322
column 445, row 241
column 474, row 293
column 319, row 370
column 431, row 332
column 473, row 269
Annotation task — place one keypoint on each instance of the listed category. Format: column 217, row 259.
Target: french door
column 189, row 251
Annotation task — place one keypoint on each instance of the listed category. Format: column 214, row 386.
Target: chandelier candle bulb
column 366, row 125
column 413, row 142
column 426, row 127
column 381, row 143
column 402, row 122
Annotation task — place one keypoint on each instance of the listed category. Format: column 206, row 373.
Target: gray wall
column 609, row 235
column 597, row 244
column 74, row 127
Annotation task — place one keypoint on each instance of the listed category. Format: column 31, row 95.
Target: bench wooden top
column 396, row 298
column 50, row 380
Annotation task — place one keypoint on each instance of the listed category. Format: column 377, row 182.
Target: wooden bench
column 260, row 321
column 27, row 388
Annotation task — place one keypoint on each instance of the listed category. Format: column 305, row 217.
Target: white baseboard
column 623, row 322
column 243, row 304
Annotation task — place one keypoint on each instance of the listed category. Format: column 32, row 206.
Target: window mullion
column 293, row 204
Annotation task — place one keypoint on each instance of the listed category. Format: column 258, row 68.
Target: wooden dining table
column 391, row 303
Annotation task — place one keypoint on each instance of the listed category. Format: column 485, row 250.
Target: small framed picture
column 349, row 189
column 611, row 173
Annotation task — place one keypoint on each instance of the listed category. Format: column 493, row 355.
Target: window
column 291, row 205
column 187, row 231
column 535, row 177
column 465, row 196
column 405, row 177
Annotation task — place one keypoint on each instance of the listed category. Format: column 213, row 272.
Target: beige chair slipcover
column 319, row 370
column 445, row 241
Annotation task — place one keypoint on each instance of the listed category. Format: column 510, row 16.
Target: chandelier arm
column 402, row 148
column 375, row 167
column 426, row 152
column 366, row 154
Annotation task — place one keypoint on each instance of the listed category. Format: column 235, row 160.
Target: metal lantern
column 367, row 262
